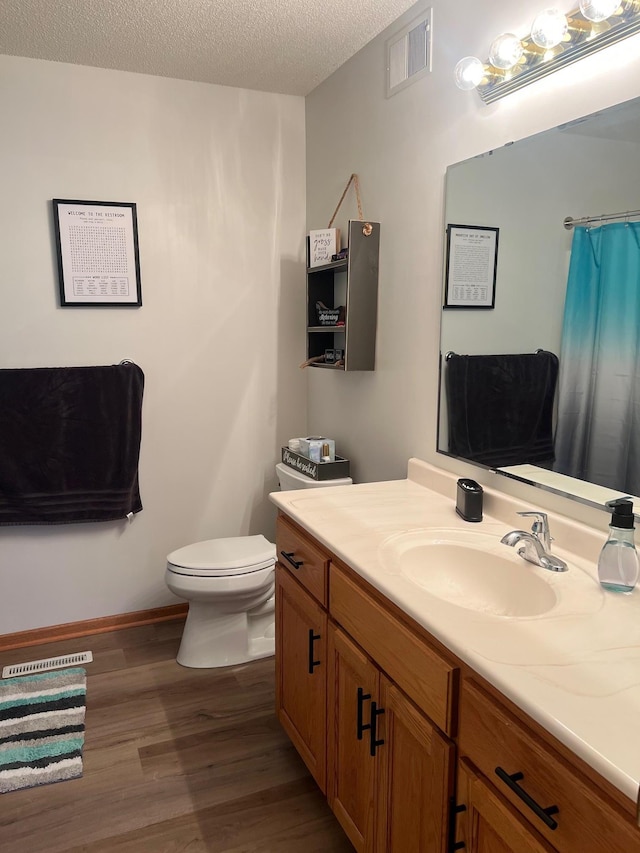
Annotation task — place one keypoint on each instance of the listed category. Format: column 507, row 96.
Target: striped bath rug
column 41, row 728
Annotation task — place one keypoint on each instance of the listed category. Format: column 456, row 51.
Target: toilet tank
column 290, row 479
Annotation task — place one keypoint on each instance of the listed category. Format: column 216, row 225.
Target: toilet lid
column 237, row 555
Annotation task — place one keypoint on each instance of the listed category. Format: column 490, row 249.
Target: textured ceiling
column 286, row 46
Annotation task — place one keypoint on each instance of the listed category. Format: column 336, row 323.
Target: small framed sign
column 322, row 245
column 472, row 259
column 98, row 256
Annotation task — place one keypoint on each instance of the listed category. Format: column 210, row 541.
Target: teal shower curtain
column 598, row 428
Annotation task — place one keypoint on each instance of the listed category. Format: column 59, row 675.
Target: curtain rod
column 569, row 221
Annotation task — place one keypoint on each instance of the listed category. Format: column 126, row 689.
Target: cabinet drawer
column 303, row 559
column 416, row 668
column 500, row 745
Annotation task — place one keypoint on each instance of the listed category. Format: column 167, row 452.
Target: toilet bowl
column 229, row 584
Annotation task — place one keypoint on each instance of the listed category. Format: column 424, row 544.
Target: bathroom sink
column 470, row 570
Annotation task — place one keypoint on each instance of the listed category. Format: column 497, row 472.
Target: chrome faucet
column 537, row 544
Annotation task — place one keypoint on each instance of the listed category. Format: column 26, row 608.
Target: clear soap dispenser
column 618, row 564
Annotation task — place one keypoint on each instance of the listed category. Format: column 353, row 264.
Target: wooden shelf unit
column 353, row 283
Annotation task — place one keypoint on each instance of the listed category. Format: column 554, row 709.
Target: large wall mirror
column 551, row 286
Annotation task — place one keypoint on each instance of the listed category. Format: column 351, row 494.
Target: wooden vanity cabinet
column 388, row 769
column 301, row 646
column 376, row 707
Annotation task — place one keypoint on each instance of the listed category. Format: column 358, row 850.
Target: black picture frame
column 98, row 253
column 471, row 267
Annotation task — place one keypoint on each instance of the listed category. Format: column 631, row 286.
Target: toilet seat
column 238, row 555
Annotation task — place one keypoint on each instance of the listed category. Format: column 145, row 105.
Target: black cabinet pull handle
column 288, row 555
column 312, row 663
column 362, row 698
column 373, row 743
column 543, row 813
column 454, row 810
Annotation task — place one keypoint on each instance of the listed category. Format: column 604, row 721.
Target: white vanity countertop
column 575, row 669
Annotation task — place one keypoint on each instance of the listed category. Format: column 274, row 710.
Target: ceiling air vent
column 409, row 53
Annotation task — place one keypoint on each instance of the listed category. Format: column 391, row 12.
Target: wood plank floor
column 175, row 760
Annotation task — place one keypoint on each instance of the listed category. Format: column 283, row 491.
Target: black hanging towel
column 500, row 407
column 70, row 443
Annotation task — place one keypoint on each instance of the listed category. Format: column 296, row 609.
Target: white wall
column 218, row 178
column 400, row 148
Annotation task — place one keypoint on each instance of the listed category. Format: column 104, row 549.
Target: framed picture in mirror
column 471, row 263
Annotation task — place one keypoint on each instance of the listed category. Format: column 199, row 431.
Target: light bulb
column 505, row 51
column 468, row 73
column 598, row 10
column 549, row 28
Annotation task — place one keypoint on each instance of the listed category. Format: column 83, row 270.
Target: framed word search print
column 98, row 257
column 472, row 259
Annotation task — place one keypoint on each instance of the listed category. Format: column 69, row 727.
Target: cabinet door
column 352, row 697
column 415, row 781
column 487, row 823
column 301, row 672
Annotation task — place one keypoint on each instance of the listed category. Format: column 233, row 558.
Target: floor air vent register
column 34, row 666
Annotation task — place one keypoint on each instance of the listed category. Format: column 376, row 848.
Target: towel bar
column 449, row 355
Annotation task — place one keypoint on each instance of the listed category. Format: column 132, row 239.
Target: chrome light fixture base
column 584, row 37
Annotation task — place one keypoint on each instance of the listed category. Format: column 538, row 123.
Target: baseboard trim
column 92, row 626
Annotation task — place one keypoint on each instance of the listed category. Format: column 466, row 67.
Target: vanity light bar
column 583, row 37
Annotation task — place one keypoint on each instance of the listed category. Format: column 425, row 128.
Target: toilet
column 229, row 584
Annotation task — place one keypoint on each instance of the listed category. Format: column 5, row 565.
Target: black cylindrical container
column 469, row 500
